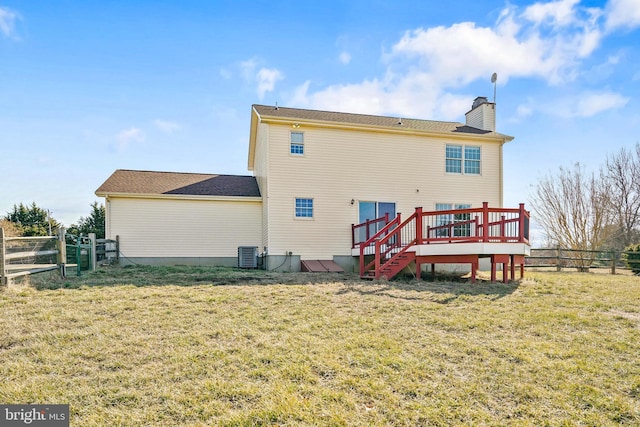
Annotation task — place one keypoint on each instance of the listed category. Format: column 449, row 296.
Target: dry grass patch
column 556, row 349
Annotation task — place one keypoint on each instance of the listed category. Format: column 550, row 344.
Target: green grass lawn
column 203, row 346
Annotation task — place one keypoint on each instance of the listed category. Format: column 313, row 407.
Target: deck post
column 512, row 258
column 377, row 259
column 353, row 236
column 521, row 223
column 418, row 215
column 485, row 221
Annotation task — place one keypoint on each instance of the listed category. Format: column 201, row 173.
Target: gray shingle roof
column 124, row 181
column 293, row 114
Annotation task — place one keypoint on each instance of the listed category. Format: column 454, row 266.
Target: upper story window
column 297, row 143
column 472, row 160
column 304, row 208
column 454, row 158
column 462, row 159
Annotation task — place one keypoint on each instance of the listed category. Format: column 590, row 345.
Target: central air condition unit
column 248, row 256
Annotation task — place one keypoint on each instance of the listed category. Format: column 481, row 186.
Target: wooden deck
column 461, row 236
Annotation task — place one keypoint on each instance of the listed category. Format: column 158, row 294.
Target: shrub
column 632, row 257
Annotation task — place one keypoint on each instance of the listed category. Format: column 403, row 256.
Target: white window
column 297, row 143
column 462, row 159
column 462, row 229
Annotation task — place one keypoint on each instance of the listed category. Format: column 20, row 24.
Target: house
column 315, row 174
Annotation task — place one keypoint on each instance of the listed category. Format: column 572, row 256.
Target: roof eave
column 373, row 128
column 114, row 194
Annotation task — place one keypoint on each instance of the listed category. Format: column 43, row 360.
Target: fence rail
column 581, row 260
column 21, row 256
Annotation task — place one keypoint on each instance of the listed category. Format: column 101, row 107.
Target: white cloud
column 125, row 137
column 587, row 104
column 344, row 57
column 267, row 78
column 247, row 69
column 167, row 126
column 557, row 13
column 622, row 14
column 428, row 66
column 8, row 19
column 523, row 111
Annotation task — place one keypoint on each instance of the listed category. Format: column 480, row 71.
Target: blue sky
column 88, row 87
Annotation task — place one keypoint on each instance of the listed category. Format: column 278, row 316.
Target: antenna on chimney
column 494, row 78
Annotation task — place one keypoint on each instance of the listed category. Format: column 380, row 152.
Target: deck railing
column 485, row 224
column 360, row 233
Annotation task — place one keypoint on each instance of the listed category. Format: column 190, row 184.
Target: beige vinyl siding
column 483, row 117
column 260, row 172
column 184, row 228
column 340, row 165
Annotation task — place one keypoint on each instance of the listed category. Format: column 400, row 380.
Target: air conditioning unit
column 248, row 256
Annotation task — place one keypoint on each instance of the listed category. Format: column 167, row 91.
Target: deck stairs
column 391, row 267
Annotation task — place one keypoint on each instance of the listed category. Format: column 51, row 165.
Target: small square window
column 304, row 208
column 297, row 143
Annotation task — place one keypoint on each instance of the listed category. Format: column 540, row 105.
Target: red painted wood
column 483, row 224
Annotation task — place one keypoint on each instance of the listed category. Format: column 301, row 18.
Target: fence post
column 117, row 249
column 558, row 266
column 78, row 256
column 62, row 252
column 94, row 256
column 3, row 279
column 614, row 260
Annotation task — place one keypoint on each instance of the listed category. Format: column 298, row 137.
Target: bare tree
column 623, row 175
column 573, row 209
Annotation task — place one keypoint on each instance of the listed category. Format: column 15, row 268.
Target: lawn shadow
column 449, row 287
column 444, row 289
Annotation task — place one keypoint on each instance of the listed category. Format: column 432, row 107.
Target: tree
column 94, row 223
column 573, row 209
column 33, row 220
column 623, row 175
column 10, row 229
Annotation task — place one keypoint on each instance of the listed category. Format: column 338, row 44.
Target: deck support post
column 500, row 259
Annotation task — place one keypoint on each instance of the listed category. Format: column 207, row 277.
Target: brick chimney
column 482, row 114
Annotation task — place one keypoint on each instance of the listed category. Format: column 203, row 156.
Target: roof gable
column 124, row 181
